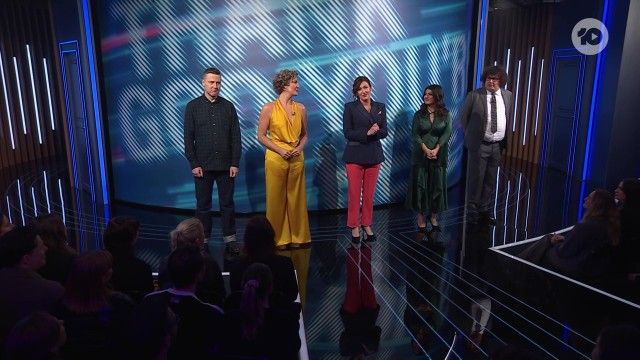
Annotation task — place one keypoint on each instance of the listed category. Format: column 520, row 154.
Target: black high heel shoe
column 367, row 237
column 355, row 240
column 434, row 227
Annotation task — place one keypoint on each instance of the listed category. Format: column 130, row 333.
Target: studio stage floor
column 425, row 284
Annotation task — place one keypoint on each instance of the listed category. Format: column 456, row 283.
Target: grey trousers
column 482, row 169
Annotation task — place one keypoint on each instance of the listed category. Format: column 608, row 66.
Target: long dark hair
column 603, row 207
column 438, row 97
column 87, row 289
column 257, row 285
column 259, row 238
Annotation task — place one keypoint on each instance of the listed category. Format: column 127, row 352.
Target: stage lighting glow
column 33, row 93
column 50, row 102
column 6, row 103
column 15, row 69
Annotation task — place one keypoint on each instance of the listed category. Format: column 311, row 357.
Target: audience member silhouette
column 261, row 325
column 131, row 275
column 5, row 225
column 94, row 316
column 210, row 289
column 38, row 336
column 259, row 246
column 60, row 255
column 24, row 291
column 617, row 342
column 200, row 325
column 151, row 332
column 585, row 252
column 628, row 198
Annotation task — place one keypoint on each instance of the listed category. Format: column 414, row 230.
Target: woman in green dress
column 430, row 133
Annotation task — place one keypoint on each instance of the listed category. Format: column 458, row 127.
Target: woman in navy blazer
column 364, row 123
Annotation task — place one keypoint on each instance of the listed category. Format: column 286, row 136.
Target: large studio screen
column 154, row 52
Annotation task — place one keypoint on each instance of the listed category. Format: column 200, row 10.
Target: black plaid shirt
column 211, row 134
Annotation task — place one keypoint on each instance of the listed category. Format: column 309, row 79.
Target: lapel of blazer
column 483, row 101
column 508, row 103
column 375, row 109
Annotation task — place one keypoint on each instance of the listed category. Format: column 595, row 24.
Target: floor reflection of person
column 423, row 294
column 282, row 129
column 430, row 133
column 477, row 267
column 364, row 124
column 359, row 312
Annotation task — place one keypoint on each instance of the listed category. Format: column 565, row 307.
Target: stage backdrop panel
column 153, row 53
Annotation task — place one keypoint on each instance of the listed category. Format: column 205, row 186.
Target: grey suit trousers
column 482, row 171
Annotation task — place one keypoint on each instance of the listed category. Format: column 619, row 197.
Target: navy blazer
column 356, row 121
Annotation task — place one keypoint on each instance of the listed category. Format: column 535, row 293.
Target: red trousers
column 361, row 184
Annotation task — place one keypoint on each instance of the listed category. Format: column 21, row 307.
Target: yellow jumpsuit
column 285, row 188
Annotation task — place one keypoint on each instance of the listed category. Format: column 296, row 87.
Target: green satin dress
column 427, row 185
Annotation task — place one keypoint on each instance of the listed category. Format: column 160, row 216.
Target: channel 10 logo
column 590, row 36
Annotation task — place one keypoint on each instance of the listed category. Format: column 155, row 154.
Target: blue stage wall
column 153, row 53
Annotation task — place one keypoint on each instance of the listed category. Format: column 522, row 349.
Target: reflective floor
column 409, row 294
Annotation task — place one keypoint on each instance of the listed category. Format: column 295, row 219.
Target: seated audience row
column 185, row 318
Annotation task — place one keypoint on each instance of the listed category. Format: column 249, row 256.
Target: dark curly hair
column 497, row 71
column 282, row 79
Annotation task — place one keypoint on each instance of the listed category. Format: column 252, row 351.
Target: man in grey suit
column 485, row 115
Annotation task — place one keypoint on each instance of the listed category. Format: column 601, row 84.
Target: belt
column 490, row 142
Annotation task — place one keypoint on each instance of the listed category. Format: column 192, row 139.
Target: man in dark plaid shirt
column 212, row 146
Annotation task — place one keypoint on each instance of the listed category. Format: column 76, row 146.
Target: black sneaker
column 231, row 249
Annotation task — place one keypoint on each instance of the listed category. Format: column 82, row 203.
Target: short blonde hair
column 282, row 79
column 188, row 232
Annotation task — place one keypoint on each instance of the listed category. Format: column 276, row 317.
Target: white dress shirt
column 502, row 118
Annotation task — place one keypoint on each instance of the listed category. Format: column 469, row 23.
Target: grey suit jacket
column 474, row 116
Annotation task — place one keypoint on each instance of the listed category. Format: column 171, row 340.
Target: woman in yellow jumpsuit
column 282, row 129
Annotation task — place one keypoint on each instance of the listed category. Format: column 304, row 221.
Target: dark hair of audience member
column 185, row 265
column 257, row 285
column 152, row 330
column 17, row 243
column 120, row 235
column 603, row 207
column 618, row 342
column 259, row 238
column 87, row 287
column 37, row 336
column 53, row 232
column 631, row 189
